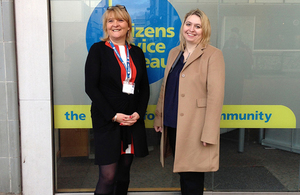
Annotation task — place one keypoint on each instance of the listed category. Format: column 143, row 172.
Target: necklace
column 189, row 53
column 187, row 56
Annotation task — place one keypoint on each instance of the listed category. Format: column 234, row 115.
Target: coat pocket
column 201, row 102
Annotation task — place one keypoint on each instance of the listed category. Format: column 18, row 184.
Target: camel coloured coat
column 200, row 101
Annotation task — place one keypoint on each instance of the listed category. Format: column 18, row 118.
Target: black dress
column 103, row 84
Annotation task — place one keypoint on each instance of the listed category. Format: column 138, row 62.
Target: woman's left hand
column 129, row 121
column 135, row 116
column 204, row 144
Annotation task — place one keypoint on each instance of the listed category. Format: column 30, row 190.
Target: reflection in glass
column 238, row 60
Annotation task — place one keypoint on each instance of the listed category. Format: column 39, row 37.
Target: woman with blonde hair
column 190, row 103
column 116, row 81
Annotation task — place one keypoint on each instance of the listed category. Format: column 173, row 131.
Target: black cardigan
column 103, row 85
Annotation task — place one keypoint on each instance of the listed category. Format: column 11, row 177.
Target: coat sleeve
column 92, row 78
column 215, row 96
column 159, row 108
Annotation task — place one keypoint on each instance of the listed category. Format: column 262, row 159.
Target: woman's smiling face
column 192, row 29
column 117, row 29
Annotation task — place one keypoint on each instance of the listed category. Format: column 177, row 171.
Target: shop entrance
column 266, row 161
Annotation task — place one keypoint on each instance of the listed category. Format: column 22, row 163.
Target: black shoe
column 103, row 194
column 121, row 187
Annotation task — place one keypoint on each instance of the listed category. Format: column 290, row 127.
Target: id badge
column 128, row 87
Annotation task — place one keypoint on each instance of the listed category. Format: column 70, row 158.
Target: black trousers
column 191, row 183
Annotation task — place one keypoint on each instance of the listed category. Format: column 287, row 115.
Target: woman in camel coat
column 190, row 103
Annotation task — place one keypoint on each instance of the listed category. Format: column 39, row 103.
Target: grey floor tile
column 5, row 176
column 4, row 143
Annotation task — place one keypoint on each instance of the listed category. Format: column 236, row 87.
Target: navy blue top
column 171, row 95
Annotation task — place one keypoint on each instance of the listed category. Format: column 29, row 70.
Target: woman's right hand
column 127, row 120
column 121, row 117
column 157, row 129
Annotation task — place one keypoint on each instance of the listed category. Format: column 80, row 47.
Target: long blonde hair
column 205, row 25
column 119, row 12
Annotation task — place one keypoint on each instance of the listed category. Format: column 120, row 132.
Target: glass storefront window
column 260, row 139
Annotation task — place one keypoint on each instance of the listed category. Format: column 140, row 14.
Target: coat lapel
column 168, row 68
column 194, row 56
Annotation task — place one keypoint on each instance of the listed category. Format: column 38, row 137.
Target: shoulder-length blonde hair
column 118, row 12
column 205, row 25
